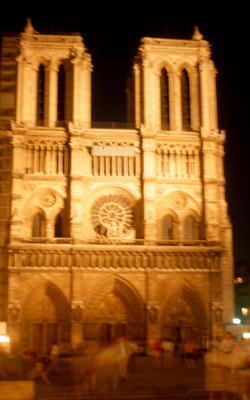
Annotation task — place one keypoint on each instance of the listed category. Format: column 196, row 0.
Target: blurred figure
column 240, row 370
column 168, row 347
column 190, row 349
column 218, row 362
column 89, row 367
column 54, row 353
column 156, row 352
column 107, row 369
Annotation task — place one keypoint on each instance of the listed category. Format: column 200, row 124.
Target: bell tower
column 172, row 100
column 48, row 67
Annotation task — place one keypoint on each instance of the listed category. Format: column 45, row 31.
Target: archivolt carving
column 45, row 302
column 120, row 297
column 184, row 308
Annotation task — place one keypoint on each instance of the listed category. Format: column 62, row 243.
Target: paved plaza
column 144, row 381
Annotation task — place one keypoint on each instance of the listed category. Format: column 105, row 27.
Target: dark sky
column 112, row 35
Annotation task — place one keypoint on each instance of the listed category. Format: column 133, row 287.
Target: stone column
column 26, row 91
column 177, row 109
column 213, row 96
column 85, row 117
column 137, row 95
column 51, row 88
column 81, row 97
column 204, row 94
column 148, row 148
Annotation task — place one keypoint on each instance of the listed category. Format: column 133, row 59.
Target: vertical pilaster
column 148, row 148
column 177, row 111
column 204, row 94
column 51, row 88
column 137, row 95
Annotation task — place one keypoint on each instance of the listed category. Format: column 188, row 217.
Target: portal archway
column 183, row 316
column 45, row 318
column 116, row 310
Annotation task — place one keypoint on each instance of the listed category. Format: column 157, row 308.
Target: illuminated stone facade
column 111, row 230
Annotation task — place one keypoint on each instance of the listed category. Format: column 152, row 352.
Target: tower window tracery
column 185, row 101
column 165, row 111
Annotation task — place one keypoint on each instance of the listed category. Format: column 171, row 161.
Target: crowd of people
column 104, row 365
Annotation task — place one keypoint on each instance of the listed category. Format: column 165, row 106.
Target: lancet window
column 168, row 227
column 61, row 95
column 190, row 228
column 185, row 101
column 59, row 226
column 38, row 225
column 165, row 109
column 41, row 95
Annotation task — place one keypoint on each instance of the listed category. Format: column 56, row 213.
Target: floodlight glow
column 246, row 335
column 236, row 321
column 4, row 339
column 244, row 311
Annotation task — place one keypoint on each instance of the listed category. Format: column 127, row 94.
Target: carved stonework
column 115, row 259
column 112, row 216
column 47, row 198
column 179, row 201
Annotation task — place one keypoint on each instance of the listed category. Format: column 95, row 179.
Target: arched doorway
column 45, row 318
column 117, row 310
column 183, row 316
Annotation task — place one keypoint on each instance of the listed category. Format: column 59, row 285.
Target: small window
column 38, row 226
column 185, row 101
column 168, row 224
column 190, row 228
column 165, row 116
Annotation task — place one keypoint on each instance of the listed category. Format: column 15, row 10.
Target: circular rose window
column 112, row 215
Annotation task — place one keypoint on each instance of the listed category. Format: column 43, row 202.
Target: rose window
column 112, row 215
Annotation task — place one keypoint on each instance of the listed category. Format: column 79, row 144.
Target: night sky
column 112, row 35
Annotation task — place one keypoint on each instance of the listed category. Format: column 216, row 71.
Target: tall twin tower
column 108, row 232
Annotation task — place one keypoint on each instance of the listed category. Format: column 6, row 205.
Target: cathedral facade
column 110, row 231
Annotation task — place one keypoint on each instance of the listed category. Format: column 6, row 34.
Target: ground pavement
column 144, row 382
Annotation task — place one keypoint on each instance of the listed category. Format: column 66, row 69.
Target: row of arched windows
column 41, row 85
column 39, row 226
column 185, row 100
column 191, row 229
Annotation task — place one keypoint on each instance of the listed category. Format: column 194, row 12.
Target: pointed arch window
column 38, row 225
column 61, row 94
column 59, row 226
column 190, row 228
column 41, row 96
column 165, row 109
column 185, row 101
column 168, row 227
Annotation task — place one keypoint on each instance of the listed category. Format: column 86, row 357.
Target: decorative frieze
column 95, row 259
